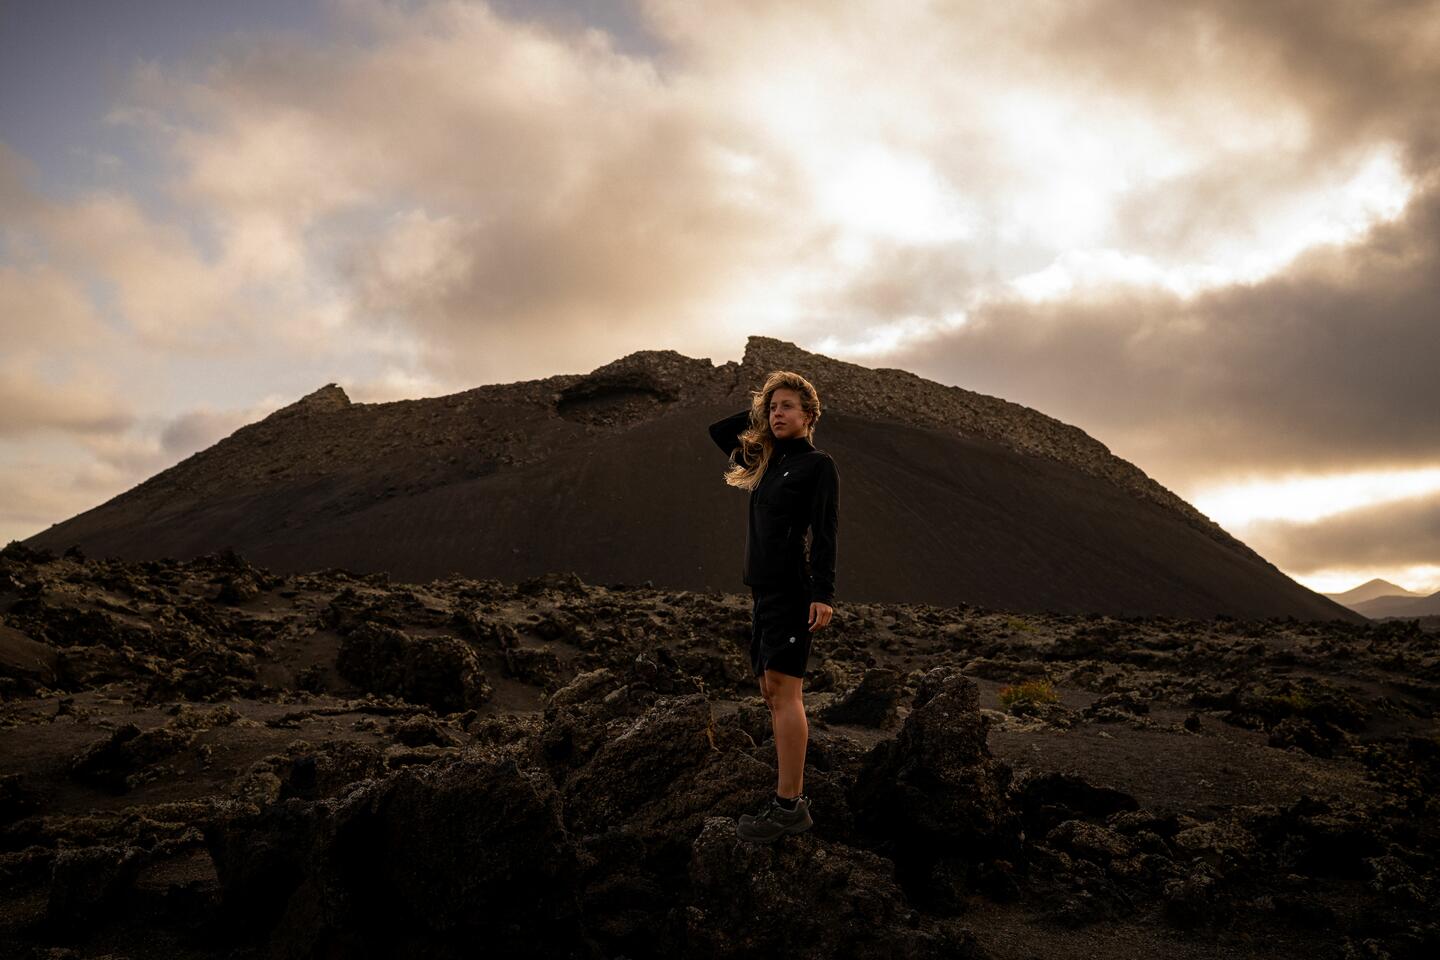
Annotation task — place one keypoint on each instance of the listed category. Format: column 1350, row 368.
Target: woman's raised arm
column 726, row 433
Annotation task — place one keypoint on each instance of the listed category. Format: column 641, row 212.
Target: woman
column 794, row 488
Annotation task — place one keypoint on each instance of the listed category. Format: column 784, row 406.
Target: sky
column 1207, row 233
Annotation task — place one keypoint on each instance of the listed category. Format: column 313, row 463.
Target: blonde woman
column 789, row 567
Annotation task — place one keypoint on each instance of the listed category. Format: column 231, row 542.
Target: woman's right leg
column 792, row 732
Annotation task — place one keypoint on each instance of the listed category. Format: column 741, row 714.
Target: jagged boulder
column 935, row 798
column 89, row 884
column 26, row 665
column 749, row 901
column 1047, row 799
column 872, row 703
column 645, row 763
column 118, row 762
column 439, row 671
column 313, row 772
column 433, row 862
column 578, row 715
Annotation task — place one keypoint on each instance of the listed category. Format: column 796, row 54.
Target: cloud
column 523, row 197
column 149, row 284
column 1342, row 74
column 49, row 328
column 161, row 287
column 1387, row 534
column 28, row 404
column 470, row 178
column 42, row 489
column 1325, row 367
column 43, row 308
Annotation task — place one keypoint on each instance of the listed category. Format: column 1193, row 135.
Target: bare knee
column 766, row 695
column 783, row 690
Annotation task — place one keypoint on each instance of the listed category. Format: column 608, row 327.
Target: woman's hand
column 820, row 614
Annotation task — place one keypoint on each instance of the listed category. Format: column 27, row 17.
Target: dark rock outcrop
column 436, row 670
column 425, row 862
column 748, row 903
column 871, row 704
column 936, row 799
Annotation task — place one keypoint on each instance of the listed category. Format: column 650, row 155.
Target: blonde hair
column 757, row 443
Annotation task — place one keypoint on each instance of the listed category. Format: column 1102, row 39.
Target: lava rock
column 1045, row 800
column 1304, row 735
column 29, row 663
column 117, row 763
column 748, row 903
column 1089, row 840
column 439, row 671
column 1117, row 707
column 1194, row 898
column 935, row 791
column 641, row 763
column 88, row 886
column 871, row 704
column 427, row 862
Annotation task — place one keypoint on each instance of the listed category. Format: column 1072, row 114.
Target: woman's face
column 787, row 419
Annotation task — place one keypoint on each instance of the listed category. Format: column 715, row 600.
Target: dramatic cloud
column 30, row 404
column 45, row 487
column 46, row 320
column 505, row 192
column 1389, row 535
column 1326, row 367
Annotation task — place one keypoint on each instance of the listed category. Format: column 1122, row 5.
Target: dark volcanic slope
column 947, row 496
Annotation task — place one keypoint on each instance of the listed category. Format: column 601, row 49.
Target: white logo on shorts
column 792, row 639
column 785, row 474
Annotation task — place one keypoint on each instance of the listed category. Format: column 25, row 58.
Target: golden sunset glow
column 1422, row 579
column 1311, row 498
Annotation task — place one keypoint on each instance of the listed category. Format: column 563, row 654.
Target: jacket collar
column 793, row 445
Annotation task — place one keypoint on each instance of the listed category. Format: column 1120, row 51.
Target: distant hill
column 1369, row 590
column 1407, row 606
column 947, row 495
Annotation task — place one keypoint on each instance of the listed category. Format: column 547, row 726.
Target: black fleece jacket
column 800, row 490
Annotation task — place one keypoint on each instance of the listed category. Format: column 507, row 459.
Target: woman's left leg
column 792, row 730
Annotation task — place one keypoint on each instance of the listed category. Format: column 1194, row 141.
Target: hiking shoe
column 774, row 821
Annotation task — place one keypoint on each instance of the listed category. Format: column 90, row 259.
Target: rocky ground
column 204, row 759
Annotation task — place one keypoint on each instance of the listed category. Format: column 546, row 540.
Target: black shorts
column 780, row 629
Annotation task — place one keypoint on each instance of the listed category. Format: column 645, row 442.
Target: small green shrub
column 1029, row 693
column 1294, row 702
